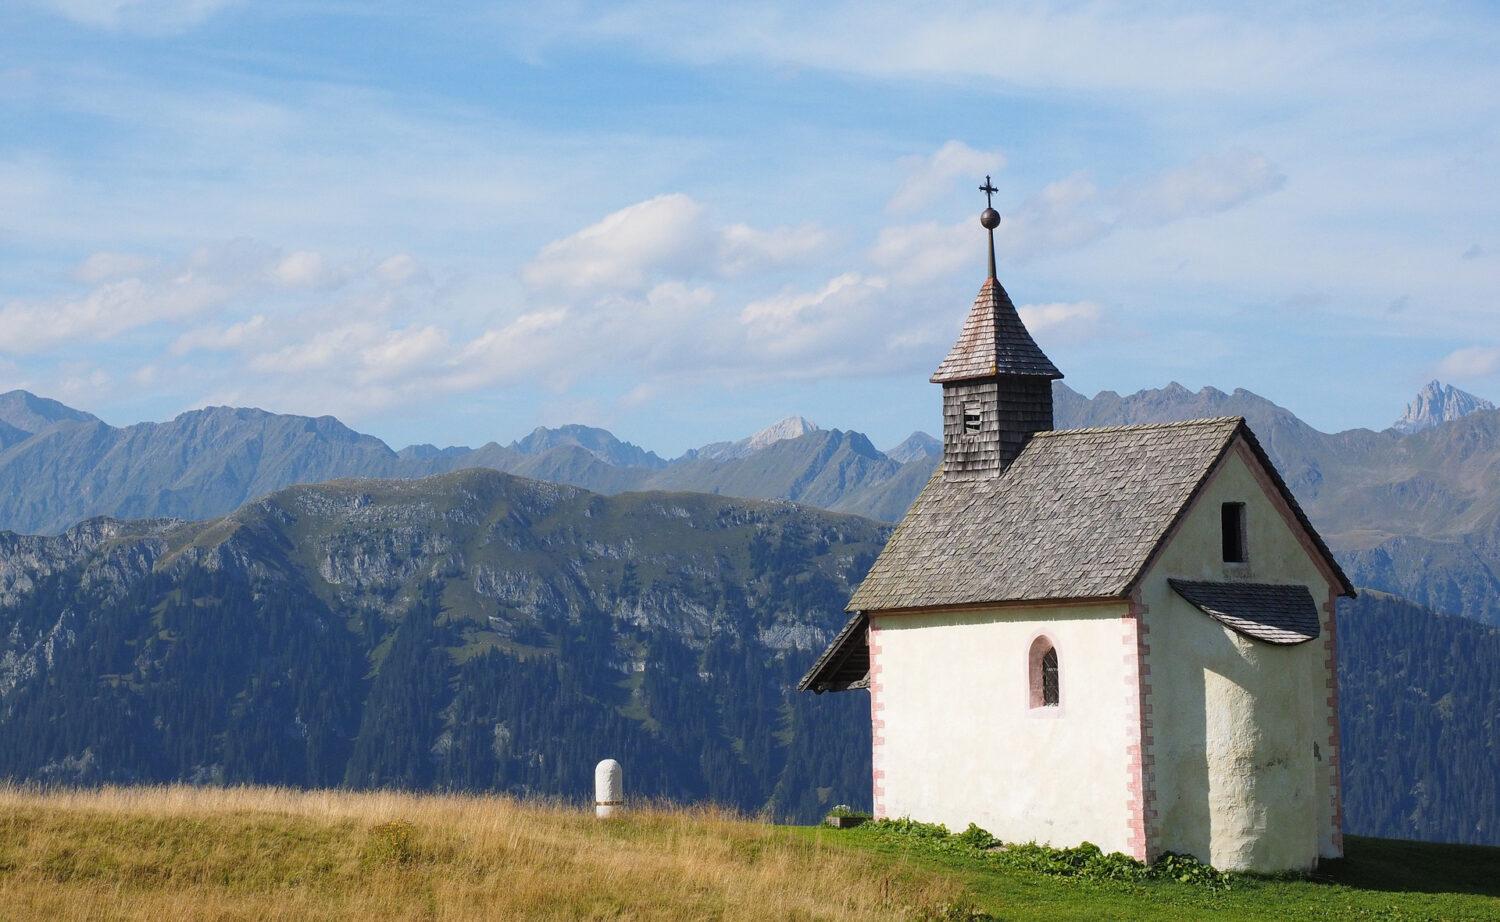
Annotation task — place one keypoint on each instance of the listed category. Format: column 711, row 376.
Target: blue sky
column 684, row 222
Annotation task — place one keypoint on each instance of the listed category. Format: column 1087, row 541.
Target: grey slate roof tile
column 1272, row 613
column 1077, row 515
column 994, row 341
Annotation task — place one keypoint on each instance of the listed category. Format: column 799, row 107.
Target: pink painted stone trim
column 877, row 724
column 1331, row 667
column 1140, row 797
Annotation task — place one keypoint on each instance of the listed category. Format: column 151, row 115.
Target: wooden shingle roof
column 993, row 341
column 1078, row 515
column 1272, row 613
column 846, row 662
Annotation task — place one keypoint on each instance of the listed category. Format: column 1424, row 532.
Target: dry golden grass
column 256, row 853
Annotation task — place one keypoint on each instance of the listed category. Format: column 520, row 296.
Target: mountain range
column 479, row 631
column 1410, row 510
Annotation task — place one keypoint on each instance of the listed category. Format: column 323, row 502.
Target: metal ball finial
column 990, row 218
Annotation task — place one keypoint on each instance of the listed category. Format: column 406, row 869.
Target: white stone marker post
column 609, row 788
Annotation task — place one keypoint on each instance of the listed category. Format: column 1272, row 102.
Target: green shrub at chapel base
column 1086, row 861
column 844, row 810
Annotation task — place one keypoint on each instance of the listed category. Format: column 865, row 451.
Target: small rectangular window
column 1232, row 522
column 971, row 418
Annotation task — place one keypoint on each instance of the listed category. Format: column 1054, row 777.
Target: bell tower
column 997, row 383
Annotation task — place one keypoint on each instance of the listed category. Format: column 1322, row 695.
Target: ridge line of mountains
column 476, row 630
column 1411, row 510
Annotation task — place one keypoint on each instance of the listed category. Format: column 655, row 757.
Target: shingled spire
column 997, row 382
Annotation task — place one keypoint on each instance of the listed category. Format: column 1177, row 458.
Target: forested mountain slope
column 1419, row 702
column 471, row 631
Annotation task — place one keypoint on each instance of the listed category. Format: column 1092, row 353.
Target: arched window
column 1045, row 680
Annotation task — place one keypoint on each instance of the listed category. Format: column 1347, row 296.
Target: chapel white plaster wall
column 1243, row 772
column 961, row 744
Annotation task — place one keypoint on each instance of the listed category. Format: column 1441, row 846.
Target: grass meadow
column 169, row 853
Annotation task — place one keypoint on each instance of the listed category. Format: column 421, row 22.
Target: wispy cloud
column 668, row 236
column 1072, row 212
column 1062, row 322
column 148, row 16
column 1207, row 186
column 1470, row 362
column 99, row 267
column 221, row 338
column 1168, row 49
column 928, row 178
column 105, row 312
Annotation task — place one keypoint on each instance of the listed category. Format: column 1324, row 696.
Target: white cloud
column 1169, row 49
column 745, row 249
column 323, row 350
column 398, row 353
column 106, row 311
column 308, row 269
column 1207, row 186
column 400, row 269
column 668, row 236
column 149, row 16
column 101, row 266
column 929, row 178
column 131, row 292
column 1073, row 212
column 81, row 383
column 916, row 252
column 1470, row 362
column 523, row 346
column 1064, row 215
column 218, row 339
column 816, row 326
column 1078, row 320
column 625, row 248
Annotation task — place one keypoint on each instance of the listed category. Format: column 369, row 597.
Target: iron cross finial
column 990, row 218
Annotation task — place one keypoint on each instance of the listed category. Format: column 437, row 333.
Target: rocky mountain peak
column 917, row 445
column 793, row 427
column 1438, row 403
column 600, row 443
column 29, row 413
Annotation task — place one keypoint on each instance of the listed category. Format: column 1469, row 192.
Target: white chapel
column 1121, row 635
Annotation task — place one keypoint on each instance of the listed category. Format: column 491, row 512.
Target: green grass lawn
column 1378, row 879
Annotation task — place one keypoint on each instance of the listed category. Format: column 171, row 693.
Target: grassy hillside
column 258, row 853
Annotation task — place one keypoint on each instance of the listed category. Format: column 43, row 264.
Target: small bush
column 1085, row 861
column 394, row 842
column 844, row 810
column 974, row 837
column 910, row 827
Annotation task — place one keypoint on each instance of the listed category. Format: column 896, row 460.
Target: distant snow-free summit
column 793, row 427
column 1438, row 403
